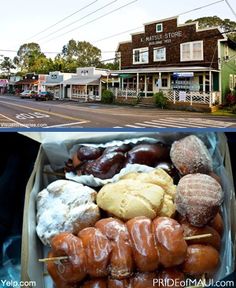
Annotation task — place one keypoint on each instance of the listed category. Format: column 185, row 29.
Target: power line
column 231, row 8
column 117, row 34
column 108, row 4
column 198, row 8
column 46, row 52
column 62, row 20
column 89, row 22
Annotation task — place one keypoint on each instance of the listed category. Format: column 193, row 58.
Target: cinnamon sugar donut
column 190, row 155
column 198, row 198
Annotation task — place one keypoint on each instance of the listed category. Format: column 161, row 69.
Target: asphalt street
column 16, row 112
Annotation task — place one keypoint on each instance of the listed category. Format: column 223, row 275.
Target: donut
column 143, row 280
column 97, row 249
column 170, row 277
column 116, row 283
column 190, row 230
column 95, row 283
column 201, row 259
column 198, row 198
column 72, row 269
column 121, row 260
column 190, row 155
column 217, row 223
column 144, row 248
column 148, row 154
column 171, row 245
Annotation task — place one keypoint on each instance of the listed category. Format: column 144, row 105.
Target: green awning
column 125, row 76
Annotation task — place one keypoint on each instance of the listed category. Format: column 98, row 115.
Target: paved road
column 16, row 112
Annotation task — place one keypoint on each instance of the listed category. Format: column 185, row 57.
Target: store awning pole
column 137, row 83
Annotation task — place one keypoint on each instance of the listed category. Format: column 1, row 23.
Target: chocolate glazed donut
column 170, row 241
column 143, row 243
column 73, row 269
column 148, row 154
column 106, row 166
column 121, row 262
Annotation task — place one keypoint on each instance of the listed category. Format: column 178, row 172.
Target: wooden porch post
column 70, row 96
column 100, row 90
column 122, row 83
column 137, row 84
column 159, row 81
column 220, row 88
column 145, row 85
column 204, row 82
column 210, row 88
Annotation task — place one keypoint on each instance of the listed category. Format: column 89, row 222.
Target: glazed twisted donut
column 117, row 250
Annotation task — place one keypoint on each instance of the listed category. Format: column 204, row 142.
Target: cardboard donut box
column 33, row 249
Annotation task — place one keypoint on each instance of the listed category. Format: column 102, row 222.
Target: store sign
column 183, row 74
column 162, row 38
column 182, row 96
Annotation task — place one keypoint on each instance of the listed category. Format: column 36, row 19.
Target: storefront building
column 12, row 84
column 86, row 85
column 3, row 86
column 54, row 83
column 31, row 81
column 179, row 59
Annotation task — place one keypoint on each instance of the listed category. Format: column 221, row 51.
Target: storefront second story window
column 159, row 54
column 159, row 28
column 191, row 51
column 140, row 56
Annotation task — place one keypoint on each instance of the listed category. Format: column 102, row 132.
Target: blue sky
column 20, row 20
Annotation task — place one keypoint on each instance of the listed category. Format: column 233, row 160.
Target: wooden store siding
column 188, row 34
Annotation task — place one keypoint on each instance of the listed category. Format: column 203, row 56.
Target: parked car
column 44, row 96
column 27, row 94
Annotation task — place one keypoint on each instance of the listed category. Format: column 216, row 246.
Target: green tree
column 214, row 21
column 27, row 57
column 6, row 65
column 80, row 54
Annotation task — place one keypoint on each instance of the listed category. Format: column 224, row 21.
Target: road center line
column 67, row 124
column 45, row 111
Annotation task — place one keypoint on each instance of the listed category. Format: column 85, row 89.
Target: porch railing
column 192, row 97
column 85, row 97
column 124, row 92
column 209, row 98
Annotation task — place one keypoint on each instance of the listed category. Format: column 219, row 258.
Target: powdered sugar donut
column 65, row 206
column 190, row 155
